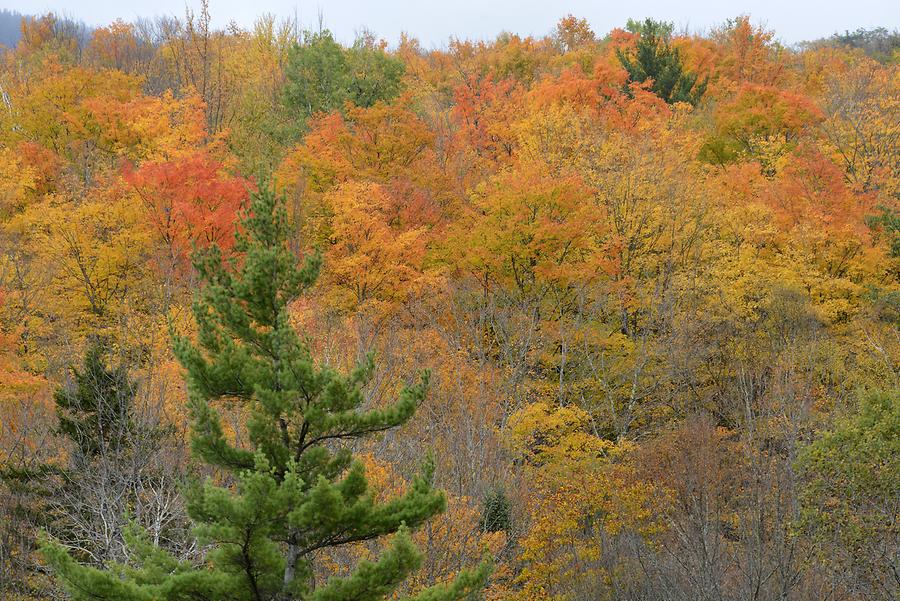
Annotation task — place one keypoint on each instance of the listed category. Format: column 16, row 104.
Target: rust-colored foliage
column 636, row 314
column 189, row 203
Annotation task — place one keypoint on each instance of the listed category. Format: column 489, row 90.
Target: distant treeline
column 878, row 43
column 11, row 27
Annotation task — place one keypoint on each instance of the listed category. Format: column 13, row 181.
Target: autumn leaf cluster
column 655, row 276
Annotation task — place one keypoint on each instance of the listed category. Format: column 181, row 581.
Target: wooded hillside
column 630, row 299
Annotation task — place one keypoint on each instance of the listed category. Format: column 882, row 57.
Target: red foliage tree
column 192, row 202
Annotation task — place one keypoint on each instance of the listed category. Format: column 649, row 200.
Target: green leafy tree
column 316, row 74
column 851, row 498
column 375, row 76
column 297, row 489
column 322, row 75
column 654, row 59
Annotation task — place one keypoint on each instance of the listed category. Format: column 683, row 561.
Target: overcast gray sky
column 435, row 22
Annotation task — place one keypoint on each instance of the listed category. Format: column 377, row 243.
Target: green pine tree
column 655, row 59
column 298, row 489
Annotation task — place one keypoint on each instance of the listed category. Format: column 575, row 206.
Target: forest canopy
column 588, row 315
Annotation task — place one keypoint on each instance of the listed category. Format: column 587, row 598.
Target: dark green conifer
column 656, row 60
column 298, row 489
column 95, row 412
